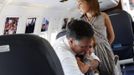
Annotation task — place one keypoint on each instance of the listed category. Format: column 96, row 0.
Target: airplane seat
column 60, row 34
column 122, row 25
column 27, row 54
column 128, row 69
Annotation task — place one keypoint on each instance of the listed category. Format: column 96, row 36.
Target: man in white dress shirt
column 77, row 40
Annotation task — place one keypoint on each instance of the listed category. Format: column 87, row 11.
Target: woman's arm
column 110, row 32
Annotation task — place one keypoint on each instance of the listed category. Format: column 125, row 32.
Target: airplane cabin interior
column 26, row 44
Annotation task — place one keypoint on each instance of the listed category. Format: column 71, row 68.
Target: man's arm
column 70, row 66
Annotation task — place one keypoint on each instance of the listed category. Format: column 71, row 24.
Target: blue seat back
column 122, row 25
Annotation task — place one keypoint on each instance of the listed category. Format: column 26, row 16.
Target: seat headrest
column 26, row 54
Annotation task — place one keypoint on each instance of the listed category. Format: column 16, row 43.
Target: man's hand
column 94, row 64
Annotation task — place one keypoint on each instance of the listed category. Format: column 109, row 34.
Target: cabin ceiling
column 45, row 3
column 1, row 1
column 70, row 4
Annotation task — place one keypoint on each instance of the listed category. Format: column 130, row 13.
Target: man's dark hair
column 79, row 29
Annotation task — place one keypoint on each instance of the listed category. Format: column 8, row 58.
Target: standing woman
column 104, row 34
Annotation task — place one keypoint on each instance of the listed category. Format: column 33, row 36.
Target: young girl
column 104, row 34
column 91, row 61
